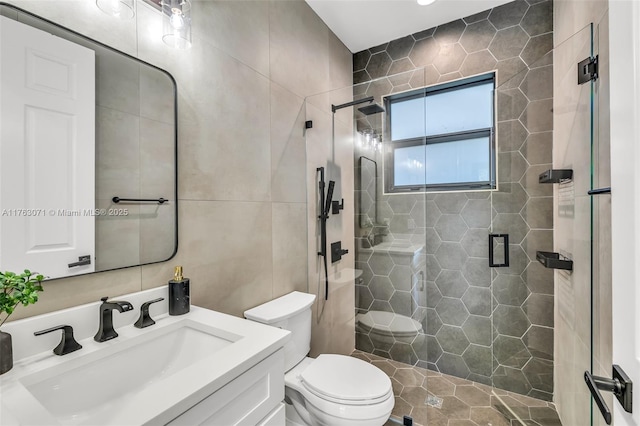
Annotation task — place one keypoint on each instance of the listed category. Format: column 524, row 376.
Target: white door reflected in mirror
column 47, row 152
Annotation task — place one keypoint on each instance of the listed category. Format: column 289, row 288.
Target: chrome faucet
column 106, row 331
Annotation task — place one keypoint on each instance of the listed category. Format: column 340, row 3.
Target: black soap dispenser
column 179, row 303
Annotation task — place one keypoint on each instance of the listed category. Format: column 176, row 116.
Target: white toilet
column 331, row 389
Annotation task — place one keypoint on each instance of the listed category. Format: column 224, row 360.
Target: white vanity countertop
column 157, row 401
column 401, row 247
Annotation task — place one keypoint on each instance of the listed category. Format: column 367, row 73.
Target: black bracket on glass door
column 600, row 191
column 621, row 386
column 588, row 70
column 505, row 242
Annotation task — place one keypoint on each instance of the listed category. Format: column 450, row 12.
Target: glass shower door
column 391, row 314
column 522, row 289
column 574, row 144
column 522, row 225
column 601, row 301
column 541, row 328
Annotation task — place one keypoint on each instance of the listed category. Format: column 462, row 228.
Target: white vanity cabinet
column 253, row 398
column 201, row 368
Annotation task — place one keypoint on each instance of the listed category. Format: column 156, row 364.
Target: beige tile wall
column 573, row 314
column 330, row 145
column 242, row 157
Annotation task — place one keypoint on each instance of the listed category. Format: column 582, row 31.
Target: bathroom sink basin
column 146, row 376
column 87, row 393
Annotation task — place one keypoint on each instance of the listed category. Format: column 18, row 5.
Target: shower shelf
column 556, row 176
column 554, row 261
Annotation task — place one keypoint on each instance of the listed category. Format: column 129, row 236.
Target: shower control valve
column 337, row 206
column 337, row 251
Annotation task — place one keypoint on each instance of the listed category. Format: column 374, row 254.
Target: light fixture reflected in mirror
column 123, row 9
column 370, row 140
column 176, row 17
column 425, row 2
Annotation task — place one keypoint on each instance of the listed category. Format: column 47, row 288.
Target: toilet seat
column 346, row 380
column 328, row 402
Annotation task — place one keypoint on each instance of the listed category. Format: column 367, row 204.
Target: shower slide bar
column 325, row 205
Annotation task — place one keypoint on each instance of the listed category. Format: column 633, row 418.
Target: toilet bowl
column 330, row 390
column 339, row 390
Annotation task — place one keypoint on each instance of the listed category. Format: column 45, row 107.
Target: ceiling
column 362, row 24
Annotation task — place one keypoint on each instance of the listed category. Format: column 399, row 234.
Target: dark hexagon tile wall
column 492, row 328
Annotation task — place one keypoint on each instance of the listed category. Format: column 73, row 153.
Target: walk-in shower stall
column 450, row 172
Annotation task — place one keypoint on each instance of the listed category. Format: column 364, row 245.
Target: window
column 441, row 138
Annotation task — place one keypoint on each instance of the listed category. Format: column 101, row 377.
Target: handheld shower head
column 327, row 204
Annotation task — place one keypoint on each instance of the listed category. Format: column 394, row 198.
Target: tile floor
column 457, row 402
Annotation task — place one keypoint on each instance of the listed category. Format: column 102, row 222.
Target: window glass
column 460, row 110
column 441, row 137
column 409, row 166
column 450, row 111
column 459, row 161
column 407, row 119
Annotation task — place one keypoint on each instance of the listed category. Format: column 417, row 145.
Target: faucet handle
column 145, row 320
column 67, row 344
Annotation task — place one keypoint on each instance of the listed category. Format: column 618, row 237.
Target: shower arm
column 369, row 99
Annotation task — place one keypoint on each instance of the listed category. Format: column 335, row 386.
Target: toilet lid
column 346, row 379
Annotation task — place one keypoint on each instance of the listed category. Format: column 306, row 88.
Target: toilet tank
column 290, row 312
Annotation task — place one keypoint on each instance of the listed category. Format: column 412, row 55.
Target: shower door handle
column 505, row 242
column 621, row 386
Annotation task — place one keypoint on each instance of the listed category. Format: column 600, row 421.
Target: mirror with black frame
column 368, row 192
column 88, row 170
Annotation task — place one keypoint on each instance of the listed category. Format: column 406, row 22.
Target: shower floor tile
column 436, row 399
